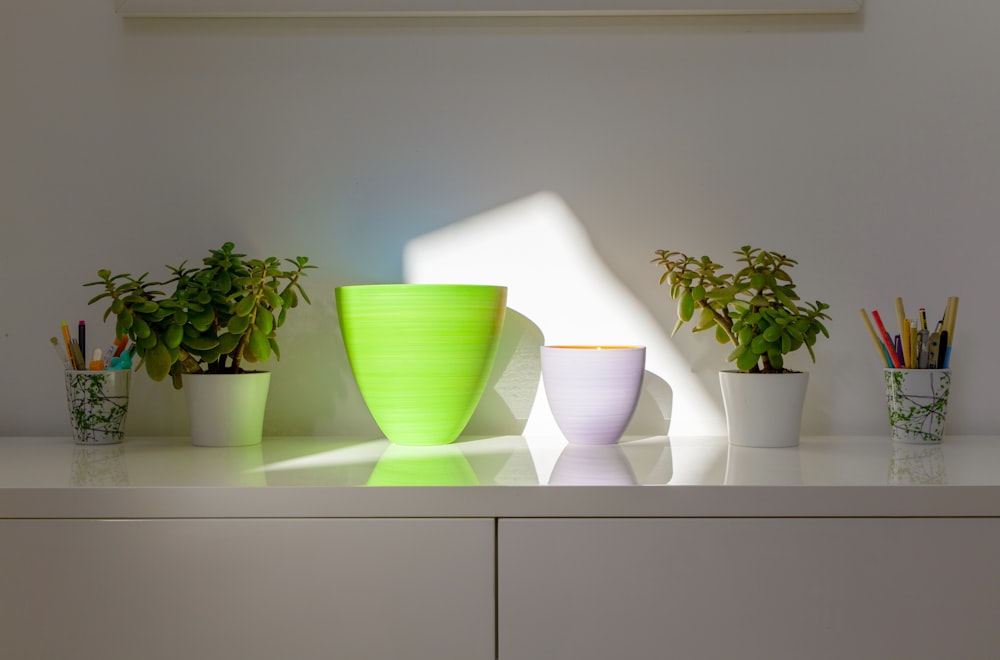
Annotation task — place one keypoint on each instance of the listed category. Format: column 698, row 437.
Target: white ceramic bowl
column 593, row 390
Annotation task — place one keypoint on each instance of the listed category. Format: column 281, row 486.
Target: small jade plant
column 211, row 319
column 755, row 309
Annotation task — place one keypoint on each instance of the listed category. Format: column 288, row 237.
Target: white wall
column 865, row 146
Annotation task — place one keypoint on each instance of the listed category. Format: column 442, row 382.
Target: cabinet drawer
column 748, row 588
column 247, row 588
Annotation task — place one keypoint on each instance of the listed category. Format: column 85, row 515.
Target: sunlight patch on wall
column 538, row 249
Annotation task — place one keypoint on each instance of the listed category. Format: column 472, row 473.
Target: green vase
column 421, row 353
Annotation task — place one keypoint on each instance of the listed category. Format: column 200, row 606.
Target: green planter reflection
column 423, row 466
column 421, row 353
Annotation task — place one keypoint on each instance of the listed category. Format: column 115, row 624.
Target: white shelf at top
column 320, row 8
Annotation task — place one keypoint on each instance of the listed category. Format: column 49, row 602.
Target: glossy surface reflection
column 497, row 461
column 592, row 465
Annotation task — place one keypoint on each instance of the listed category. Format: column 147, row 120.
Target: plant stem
column 256, row 290
column 189, row 363
column 722, row 321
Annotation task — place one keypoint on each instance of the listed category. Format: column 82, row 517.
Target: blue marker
column 123, row 361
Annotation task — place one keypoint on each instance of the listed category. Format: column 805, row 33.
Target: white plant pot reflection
column 758, row 466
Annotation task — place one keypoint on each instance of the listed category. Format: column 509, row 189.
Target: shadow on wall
column 559, row 292
column 563, row 293
column 513, row 385
column 512, row 392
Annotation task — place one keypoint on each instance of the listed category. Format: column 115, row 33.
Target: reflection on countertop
column 36, row 462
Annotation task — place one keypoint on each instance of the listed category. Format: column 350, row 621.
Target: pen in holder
column 917, row 401
column 98, row 403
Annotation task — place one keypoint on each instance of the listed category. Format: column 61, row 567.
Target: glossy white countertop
column 510, row 476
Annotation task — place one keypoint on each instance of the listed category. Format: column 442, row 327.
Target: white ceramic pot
column 764, row 410
column 592, row 390
column 226, row 410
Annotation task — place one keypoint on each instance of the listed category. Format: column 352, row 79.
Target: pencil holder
column 98, row 403
column 917, row 401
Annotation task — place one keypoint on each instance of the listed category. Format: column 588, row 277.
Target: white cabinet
column 553, row 588
column 749, row 588
column 156, row 550
column 247, row 588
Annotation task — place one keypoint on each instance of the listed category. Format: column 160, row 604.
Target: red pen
column 888, row 342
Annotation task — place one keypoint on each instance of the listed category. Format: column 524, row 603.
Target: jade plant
column 755, row 309
column 209, row 319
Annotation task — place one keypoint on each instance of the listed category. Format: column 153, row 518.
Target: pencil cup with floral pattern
column 98, row 403
column 917, row 400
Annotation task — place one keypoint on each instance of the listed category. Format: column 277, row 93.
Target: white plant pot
column 226, row 410
column 764, row 410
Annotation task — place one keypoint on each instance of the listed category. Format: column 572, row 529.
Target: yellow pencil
column 900, row 315
column 66, row 340
column 952, row 313
column 904, row 338
column 878, row 344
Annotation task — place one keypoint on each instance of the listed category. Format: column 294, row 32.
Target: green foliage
column 215, row 317
column 754, row 309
